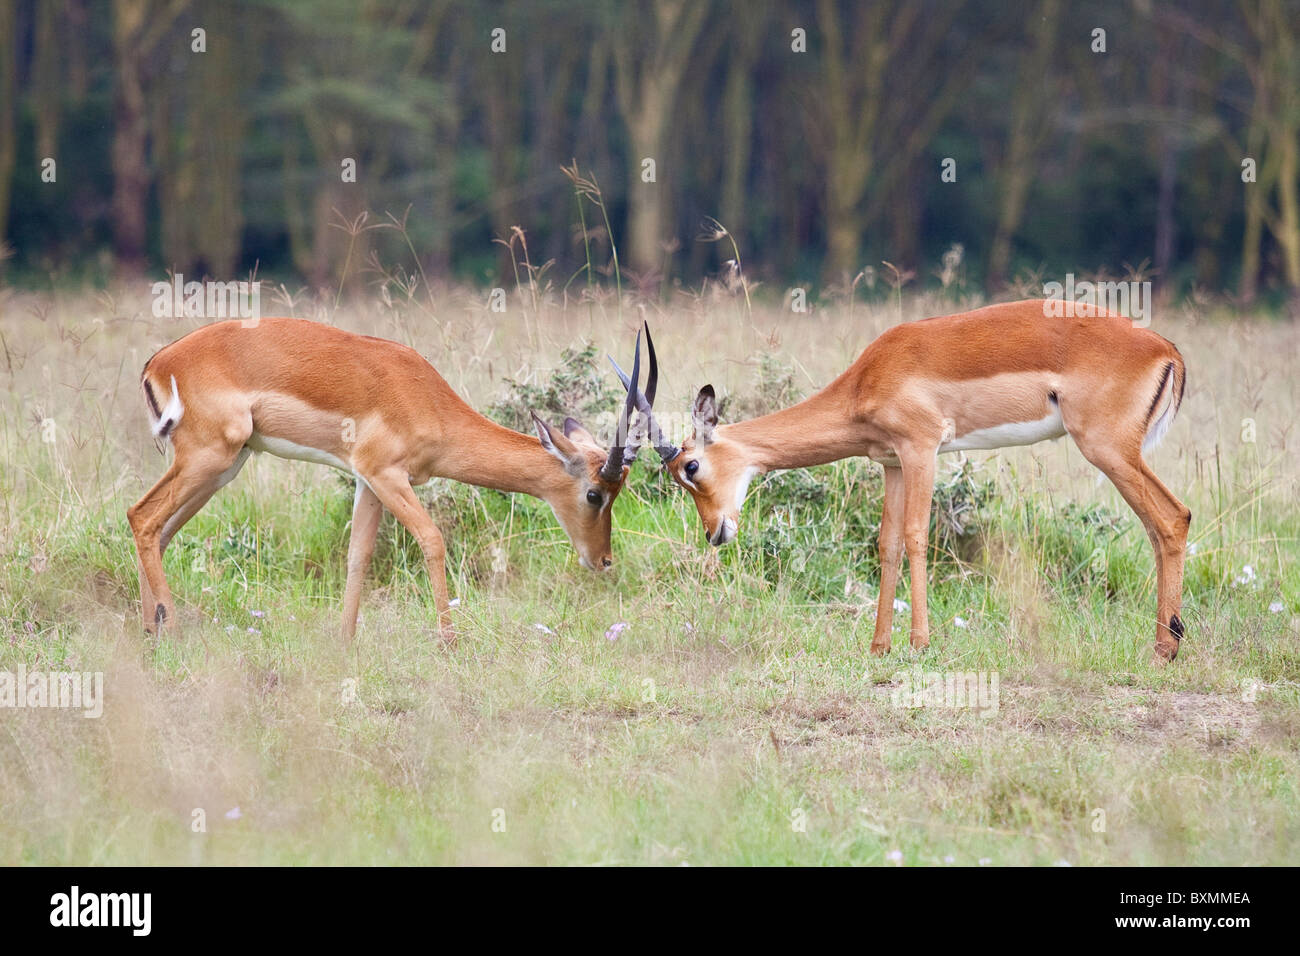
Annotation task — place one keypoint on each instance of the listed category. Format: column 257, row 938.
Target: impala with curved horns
column 1008, row 374
column 367, row 406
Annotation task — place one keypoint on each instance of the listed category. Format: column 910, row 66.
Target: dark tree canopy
column 1041, row 137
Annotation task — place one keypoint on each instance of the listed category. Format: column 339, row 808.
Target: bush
column 578, row 387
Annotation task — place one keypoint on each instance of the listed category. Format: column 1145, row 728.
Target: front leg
column 891, row 556
column 394, row 491
column 366, row 512
column 918, row 481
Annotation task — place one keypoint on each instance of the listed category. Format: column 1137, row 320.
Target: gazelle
column 367, row 406
column 1003, row 375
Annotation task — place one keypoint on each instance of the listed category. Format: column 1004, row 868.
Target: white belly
column 283, row 448
column 1012, row 433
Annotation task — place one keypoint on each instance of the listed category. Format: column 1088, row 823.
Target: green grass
column 737, row 719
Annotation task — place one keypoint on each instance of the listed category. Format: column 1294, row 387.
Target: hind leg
column 1166, row 520
column 366, row 512
column 192, row 506
column 194, row 477
column 1177, row 521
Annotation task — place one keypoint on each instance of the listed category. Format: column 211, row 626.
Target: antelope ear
column 704, row 415
column 555, row 442
column 573, row 430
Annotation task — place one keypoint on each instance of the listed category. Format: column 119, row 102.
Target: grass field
column 737, row 718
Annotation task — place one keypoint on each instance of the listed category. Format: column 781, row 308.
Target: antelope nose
column 725, row 533
column 607, row 562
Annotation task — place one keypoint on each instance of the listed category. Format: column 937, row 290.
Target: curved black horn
column 612, row 470
column 645, row 402
column 652, row 383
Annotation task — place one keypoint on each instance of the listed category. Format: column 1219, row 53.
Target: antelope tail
column 1168, row 399
column 162, row 421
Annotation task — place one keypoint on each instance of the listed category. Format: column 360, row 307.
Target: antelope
column 1008, row 374
column 366, row 406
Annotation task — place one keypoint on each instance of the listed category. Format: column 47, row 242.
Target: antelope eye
column 593, row 497
column 691, row 468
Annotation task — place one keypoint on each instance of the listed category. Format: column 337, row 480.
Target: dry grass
column 733, row 703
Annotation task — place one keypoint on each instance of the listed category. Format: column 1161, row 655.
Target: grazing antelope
column 369, row 407
column 1003, row 375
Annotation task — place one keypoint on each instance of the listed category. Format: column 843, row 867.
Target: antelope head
column 594, row 474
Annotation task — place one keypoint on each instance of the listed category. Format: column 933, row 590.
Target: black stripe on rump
column 153, row 402
column 1160, row 390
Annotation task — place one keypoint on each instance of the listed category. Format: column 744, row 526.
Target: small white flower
column 950, row 859
column 233, row 813
column 1277, row 607
column 1247, row 576
column 1061, row 863
column 961, row 622
column 258, row 613
column 985, row 861
column 895, row 857
column 1193, row 548
column 900, row 605
column 454, row 602
column 543, row 628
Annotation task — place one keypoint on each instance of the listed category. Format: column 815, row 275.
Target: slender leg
column 197, row 501
column 366, row 512
column 1166, row 520
column 395, row 493
column 1177, row 521
column 891, row 556
column 918, row 481
column 176, row 497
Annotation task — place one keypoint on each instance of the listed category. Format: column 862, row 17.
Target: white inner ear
column 549, row 446
column 575, row 464
column 544, row 437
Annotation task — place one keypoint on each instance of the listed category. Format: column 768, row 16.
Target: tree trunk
column 505, row 133
column 218, row 130
column 738, row 119
column 443, row 197
column 1029, row 119
column 130, row 139
column 8, row 97
column 845, row 186
column 1287, row 230
column 647, row 89
column 295, row 218
column 645, row 200
column 47, row 80
column 74, row 48
column 1248, row 284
